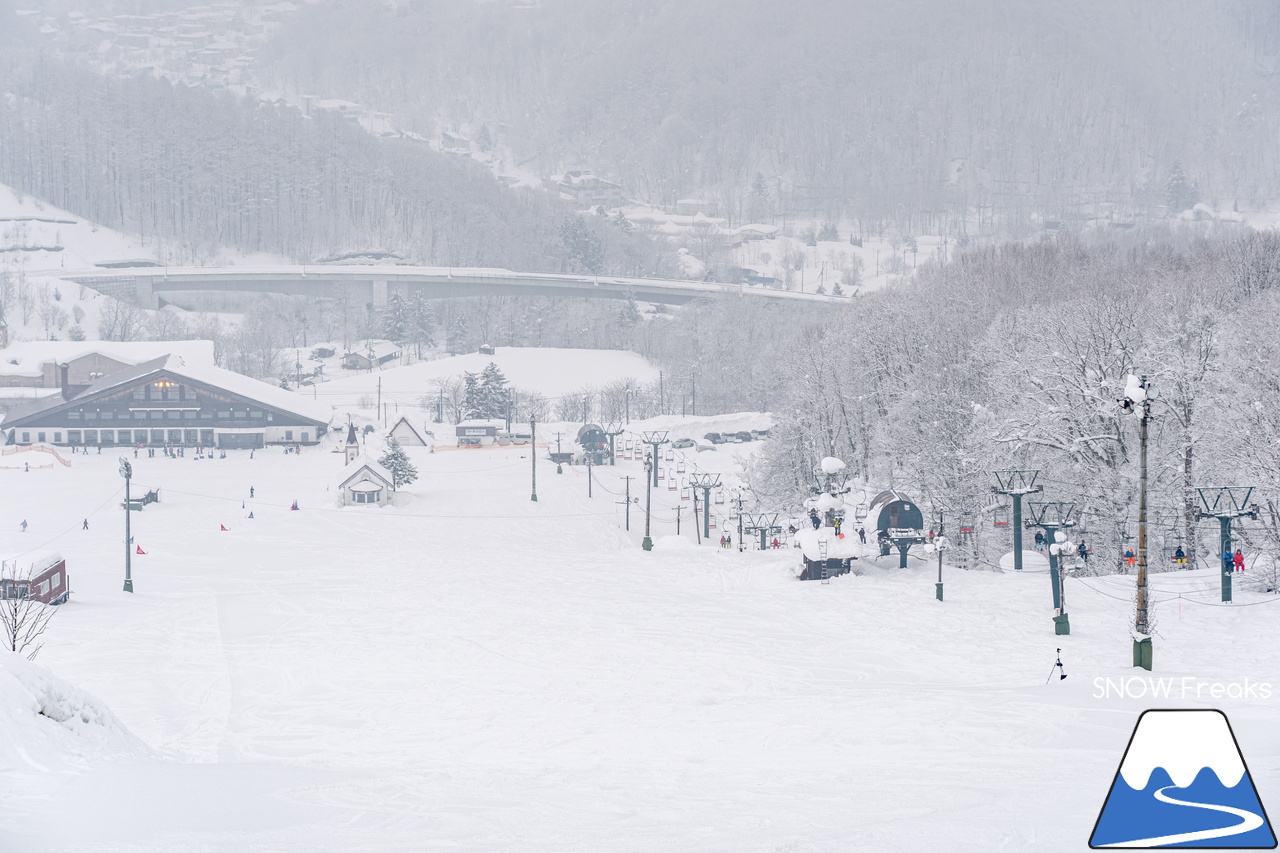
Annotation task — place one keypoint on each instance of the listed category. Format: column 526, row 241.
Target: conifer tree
column 396, row 461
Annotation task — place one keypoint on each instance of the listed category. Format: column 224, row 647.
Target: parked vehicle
column 760, row 433
column 681, row 443
column 714, row 438
column 744, row 436
column 521, row 438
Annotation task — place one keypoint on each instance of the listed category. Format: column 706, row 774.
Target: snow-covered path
column 471, row 670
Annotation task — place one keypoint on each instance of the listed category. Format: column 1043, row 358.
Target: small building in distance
column 37, row 364
column 375, row 354
column 408, row 435
column 475, row 433
column 45, row 581
column 585, row 190
column 365, row 483
column 168, row 402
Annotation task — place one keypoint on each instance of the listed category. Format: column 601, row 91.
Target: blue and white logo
column 1183, row 783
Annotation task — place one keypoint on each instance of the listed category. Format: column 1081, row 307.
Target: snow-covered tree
column 1179, row 193
column 397, row 462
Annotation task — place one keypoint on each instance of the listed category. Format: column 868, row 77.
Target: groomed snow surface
column 469, row 670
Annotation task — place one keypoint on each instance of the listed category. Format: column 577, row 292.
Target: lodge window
column 57, row 438
column 91, row 436
column 140, row 415
column 108, row 436
column 90, row 416
column 106, row 416
column 191, row 416
column 255, row 414
column 173, row 415
column 206, row 415
column 57, row 581
column 156, row 414
column 140, row 393
column 288, row 435
column 73, row 416
column 26, row 436
column 73, row 436
column 224, row 414
column 241, row 414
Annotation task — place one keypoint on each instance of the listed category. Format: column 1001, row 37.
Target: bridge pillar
column 144, row 293
column 379, row 295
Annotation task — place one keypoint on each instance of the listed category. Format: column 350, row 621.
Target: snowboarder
column 27, row 469
column 24, row 525
column 1083, row 551
column 1129, row 557
column 1180, row 556
column 251, row 492
column 862, row 535
column 85, row 526
column 1238, row 560
column 813, row 517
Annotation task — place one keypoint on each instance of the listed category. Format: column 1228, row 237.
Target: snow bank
column 45, row 720
column 1030, row 560
column 673, row 543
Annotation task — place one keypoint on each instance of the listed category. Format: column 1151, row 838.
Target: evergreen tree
column 582, row 246
column 396, row 319
column 493, row 392
column 421, row 324
column 397, row 462
column 828, row 232
column 837, row 290
column 1179, row 193
column 472, row 406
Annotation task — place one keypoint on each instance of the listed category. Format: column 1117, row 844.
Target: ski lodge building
column 167, row 401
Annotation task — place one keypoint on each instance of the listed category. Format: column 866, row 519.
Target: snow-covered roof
column 403, row 423
column 208, row 374
column 30, row 565
column 838, row 549
column 360, row 469
column 376, row 349
column 26, row 358
column 367, row 486
column 497, row 423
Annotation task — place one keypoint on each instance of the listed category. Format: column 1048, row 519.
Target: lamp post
column 940, row 544
column 647, row 542
column 1138, row 394
column 533, row 455
column 655, row 439
column 126, row 471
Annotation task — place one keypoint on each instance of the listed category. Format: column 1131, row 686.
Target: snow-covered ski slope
column 470, row 670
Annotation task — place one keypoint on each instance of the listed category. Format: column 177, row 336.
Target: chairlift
column 685, row 493
column 671, row 484
column 1001, row 517
column 680, row 466
column 711, row 522
column 671, row 455
column 966, row 523
column 860, row 512
column 720, row 496
column 661, row 476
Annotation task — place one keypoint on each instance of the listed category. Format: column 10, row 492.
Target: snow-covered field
column 471, row 670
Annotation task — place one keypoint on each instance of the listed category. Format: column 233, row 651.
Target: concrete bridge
column 150, row 287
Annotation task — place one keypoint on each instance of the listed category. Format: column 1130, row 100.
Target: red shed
column 46, row 581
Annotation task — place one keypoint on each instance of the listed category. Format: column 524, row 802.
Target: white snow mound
column 45, row 720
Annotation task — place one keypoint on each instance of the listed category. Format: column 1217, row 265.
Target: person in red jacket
column 1238, row 559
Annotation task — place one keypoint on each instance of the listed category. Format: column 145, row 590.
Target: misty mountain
column 932, row 115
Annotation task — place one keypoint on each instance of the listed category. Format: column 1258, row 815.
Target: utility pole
column 647, row 542
column 589, row 475
column 693, row 395
column 1015, row 484
column 1139, row 393
column 706, row 482
column 655, row 439
column 1052, row 516
column 662, row 396
column 679, row 510
column 126, row 471
column 533, row 454
column 1226, row 504
column 379, row 394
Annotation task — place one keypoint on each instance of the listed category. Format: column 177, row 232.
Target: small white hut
column 366, row 482
column 407, row 434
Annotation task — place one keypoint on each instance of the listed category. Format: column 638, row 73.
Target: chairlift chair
column 671, row 484
column 1001, row 517
column 966, row 523
column 680, row 466
column 860, row 513
column 671, row 455
column 711, row 522
column 684, row 493
column 720, row 496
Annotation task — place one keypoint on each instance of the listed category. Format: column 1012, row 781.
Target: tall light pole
column 647, row 542
column 533, row 454
column 654, row 438
column 1138, row 394
column 126, row 471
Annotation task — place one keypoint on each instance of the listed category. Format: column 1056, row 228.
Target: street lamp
column 126, row 471
column 649, row 464
column 1138, row 394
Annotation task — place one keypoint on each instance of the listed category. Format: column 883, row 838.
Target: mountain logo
column 1183, row 783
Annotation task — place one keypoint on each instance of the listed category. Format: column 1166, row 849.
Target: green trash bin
column 1142, row 653
column 1062, row 625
